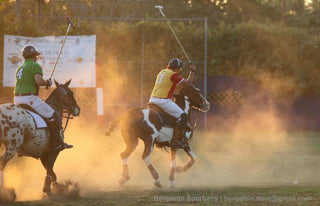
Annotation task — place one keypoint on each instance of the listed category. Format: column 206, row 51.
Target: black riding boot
column 179, row 134
column 56, row 135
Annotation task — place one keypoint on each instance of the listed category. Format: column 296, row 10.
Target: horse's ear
column 67, row 83
column 56, row 83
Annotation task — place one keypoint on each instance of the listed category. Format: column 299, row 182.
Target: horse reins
column 68, row 111
column 68, row 117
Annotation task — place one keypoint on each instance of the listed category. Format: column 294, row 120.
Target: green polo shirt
column 25, row 82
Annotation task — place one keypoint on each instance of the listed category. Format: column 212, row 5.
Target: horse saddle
column 39, row 120
column 166, row 119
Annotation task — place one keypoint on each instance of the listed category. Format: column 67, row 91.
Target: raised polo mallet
column 70, row 24
column 174, row 34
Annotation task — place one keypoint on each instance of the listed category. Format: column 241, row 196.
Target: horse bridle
column 65, row 110
column 177, row 96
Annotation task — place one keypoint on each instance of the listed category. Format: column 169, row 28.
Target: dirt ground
column 240, row 167
column 259, row 195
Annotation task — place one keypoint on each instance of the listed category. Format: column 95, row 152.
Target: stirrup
column 59, row 148
column 63, row 146
column 68, row 146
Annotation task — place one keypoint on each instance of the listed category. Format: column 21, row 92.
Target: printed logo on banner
column 77, row 60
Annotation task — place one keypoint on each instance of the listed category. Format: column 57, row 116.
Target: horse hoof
column 157, row 183
column 179, row 169
column 47, row 185
column 171, row 184
column 7, row 195
column 47, row 189
column 56, row 189
column 123, row 180
column 66, row 190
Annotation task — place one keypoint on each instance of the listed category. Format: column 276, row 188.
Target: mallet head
column 70, row 22
column 158, row 7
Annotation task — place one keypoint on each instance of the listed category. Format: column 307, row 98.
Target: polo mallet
column 63, row 42
column 174, row 34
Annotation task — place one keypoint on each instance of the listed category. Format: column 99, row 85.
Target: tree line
column 255, row 39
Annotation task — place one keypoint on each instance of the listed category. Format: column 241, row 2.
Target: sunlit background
column 258, row 65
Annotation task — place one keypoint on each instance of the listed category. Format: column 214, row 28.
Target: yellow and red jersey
column 166, row 83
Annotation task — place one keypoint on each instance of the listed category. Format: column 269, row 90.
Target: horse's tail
column 131, row 112
column 113, row 125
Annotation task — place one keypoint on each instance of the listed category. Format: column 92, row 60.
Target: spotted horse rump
column 20, row 131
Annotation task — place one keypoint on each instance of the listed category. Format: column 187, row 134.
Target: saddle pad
column 166, row 119
column 165, row 134
column 40, row 123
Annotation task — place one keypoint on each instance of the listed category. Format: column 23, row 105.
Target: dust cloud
column 254, row 149
column 94, row 162
column 249, row 153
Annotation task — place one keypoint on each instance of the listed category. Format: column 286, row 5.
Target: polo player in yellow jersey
column 167, row 81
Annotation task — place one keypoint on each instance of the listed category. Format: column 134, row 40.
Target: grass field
column 247, row 168
column 277, row 195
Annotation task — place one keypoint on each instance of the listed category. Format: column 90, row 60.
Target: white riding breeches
column 168, row 106
column 36, row 103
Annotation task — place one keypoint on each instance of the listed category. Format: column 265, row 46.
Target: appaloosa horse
column 149, row 125
column 19, row 133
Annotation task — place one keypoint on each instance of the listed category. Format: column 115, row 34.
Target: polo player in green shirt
column 28, row 80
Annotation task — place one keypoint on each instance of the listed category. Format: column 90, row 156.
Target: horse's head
column 193, row 95
column 63, row 97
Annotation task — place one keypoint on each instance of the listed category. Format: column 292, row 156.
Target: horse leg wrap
column 172, row 171
column 125, row 173
column 154, row 173
column 47, row 184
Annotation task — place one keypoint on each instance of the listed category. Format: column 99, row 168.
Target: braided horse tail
column 113, row 125
column 131, row 112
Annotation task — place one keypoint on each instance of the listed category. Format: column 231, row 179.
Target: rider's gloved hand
column 193, row 68
column 49, row 83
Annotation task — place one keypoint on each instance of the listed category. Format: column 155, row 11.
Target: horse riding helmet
column 175, row 63
column 29, row 51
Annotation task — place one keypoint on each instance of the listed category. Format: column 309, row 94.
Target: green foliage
column 253, row 50
column 245, row 37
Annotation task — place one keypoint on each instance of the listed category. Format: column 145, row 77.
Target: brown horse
column 150, row 126
column 19, row 132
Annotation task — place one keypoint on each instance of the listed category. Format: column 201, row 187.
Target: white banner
column 76, row 62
